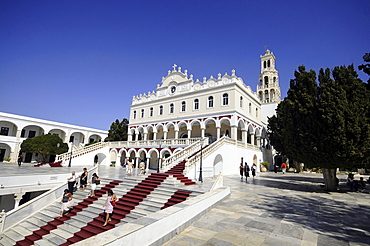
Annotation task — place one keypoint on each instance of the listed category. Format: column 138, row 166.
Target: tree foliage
column 324, row 124
column 118, row 130
column 44, row 145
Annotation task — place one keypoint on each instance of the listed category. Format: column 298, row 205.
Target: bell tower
column 268, row 88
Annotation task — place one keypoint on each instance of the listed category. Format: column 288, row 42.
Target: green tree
column 44, row 145
column 324, row 124
column 118, row 130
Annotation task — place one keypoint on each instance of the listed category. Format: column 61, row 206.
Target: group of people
column 129, row 165
column 244, row 170
column 355, row 185
column 67, row 201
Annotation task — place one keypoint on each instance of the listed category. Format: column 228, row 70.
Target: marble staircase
column 138, row 197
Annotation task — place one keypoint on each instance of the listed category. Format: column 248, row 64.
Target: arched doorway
column 217, row 165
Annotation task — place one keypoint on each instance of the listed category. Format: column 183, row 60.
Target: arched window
column 142, row 113
column 241, row 102
column 264, row 64
column 268, row 63
column 151, row 112
column 210, row 102
column 183, row 106
column 274, row 79
column 171, row 108
column 250, row 108
column 225, row 99
column 134, row 116
column 196, row 104
column 266, row 80
column 160, row 110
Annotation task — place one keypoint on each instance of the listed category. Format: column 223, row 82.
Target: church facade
column 181, row 107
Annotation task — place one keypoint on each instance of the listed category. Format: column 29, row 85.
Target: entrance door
column 28, row 157
column 2, row 154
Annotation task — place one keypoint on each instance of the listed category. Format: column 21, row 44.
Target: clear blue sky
column 80, row 62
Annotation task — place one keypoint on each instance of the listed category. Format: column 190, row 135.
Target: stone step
column 44, row 242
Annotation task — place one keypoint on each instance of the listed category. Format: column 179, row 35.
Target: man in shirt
column 71, row 182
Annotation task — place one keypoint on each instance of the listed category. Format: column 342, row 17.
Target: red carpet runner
column 52, row 225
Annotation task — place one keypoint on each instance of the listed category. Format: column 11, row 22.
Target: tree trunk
column 330, row 178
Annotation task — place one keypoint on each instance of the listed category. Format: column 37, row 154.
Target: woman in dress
column 83, row 179
column 108, row 206
column 241, row 170
column 66, row 200
column 94, row 181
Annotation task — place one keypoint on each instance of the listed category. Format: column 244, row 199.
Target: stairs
column 52, row 225
column 138, row 198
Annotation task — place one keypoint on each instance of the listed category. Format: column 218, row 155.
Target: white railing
column 15, row 216
column 155, row 143
column 219, row 182
column 80, row 150
column 179, row 156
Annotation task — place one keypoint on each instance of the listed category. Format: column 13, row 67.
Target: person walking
column 95, row 180
column 142, row 167
column 241, row 170
column 20, row 157
column 83, row 179
column 72, row 182
column 246, row 171
column 283, row 168
column 254, row 169
column 66, row 201
column 130, row 166
column 108, row 206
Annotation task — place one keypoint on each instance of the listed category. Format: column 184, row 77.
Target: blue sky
column 80, row 62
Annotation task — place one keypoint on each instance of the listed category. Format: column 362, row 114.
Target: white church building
column 181, row 111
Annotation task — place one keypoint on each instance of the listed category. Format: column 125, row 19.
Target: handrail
column 173, row 160
column 12, row 217
column 80, row 150
column 219, row 182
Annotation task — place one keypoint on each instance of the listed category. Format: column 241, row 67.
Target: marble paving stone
column 201, row 233
column 217, row 242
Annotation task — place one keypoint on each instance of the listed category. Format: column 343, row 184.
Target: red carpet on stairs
column 123, row 206
column 177, row 197
column 52, row 225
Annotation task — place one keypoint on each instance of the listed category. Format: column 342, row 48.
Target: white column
column 129, row 137
column 258, row 142
column 203, row 131
column 189, row 133
column 218, row 132
column 118, row 160
column 234, row 132
column 252, row 138
column 245, row 136
column 145, row 136
column 176, row 134
column 154, row 135
column 164, row 135
column 17, row 198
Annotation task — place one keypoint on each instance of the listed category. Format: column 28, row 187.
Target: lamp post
column 201, row 159
column 159, row 156
column 70, row 158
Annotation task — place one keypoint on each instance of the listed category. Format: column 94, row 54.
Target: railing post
column 2, row 220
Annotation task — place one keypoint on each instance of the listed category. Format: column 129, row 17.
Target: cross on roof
column 174, row 67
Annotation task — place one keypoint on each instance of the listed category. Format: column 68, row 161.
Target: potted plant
column 264, row 166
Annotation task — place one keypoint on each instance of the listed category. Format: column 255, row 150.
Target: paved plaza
column 276, row 209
